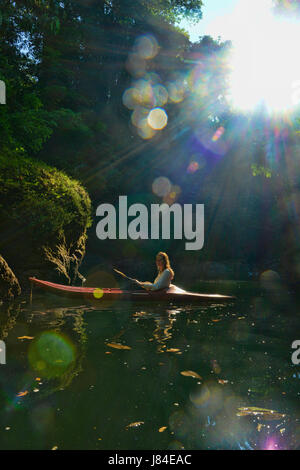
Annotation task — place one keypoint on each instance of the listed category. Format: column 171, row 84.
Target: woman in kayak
column 165, row 274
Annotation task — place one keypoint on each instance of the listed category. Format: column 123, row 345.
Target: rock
column 9, row 284
column 44, row 216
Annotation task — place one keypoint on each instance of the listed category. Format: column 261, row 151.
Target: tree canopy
column 83, row 75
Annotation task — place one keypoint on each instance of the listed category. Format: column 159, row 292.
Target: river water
column 150, row 376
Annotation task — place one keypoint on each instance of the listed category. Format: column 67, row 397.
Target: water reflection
column 8, row 318
column 46, row 349
column 209, row 377
column 163, row 320
column 209, row 420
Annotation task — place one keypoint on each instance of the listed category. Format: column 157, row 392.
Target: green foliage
column 63, row 64
column 23, row 120
column 261, row 171
column 65, row 68
column 41, row 201
column 171, row 9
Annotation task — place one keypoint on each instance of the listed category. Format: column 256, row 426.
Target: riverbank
column 44, row 217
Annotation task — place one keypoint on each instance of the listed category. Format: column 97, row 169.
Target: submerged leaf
column 263, row 413
column 191, row 373
column 136, row 424
column 222, row 382
column 162, row 429
column 172, row 350
column 25, row 337
column 22, row 394
column 118, row 346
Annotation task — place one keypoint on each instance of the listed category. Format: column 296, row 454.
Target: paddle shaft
column 129, row 278
column 124, row 275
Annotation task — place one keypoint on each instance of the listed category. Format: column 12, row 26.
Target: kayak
column 172, row 294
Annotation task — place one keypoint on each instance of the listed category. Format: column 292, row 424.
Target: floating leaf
column 261, row 412
column 191, row 373
column 136, row 424
column 118, row 346
column 162, row 429
column 25, row 337
column 222, row 382
column 217, row 320
column 172, row 350
column 22, row 394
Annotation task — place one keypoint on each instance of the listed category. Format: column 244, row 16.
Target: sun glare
column 265, row 68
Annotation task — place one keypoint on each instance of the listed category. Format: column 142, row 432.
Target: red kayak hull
column 173, row 294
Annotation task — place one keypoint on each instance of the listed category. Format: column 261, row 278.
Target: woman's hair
column 164, row 257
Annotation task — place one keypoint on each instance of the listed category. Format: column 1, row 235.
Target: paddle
column 124, row 275
column 129, row 278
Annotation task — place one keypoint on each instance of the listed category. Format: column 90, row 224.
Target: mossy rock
column 44, row 216
column 9, row 285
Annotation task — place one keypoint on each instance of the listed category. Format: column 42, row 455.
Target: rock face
column 9, row 285
column 44, row 216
